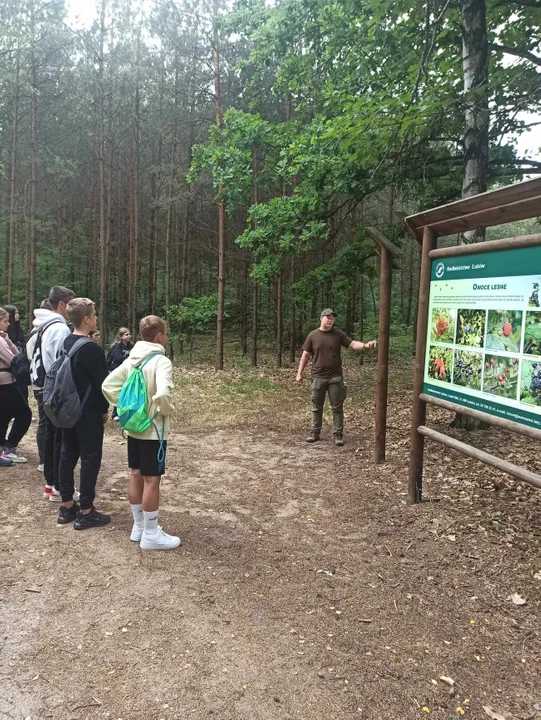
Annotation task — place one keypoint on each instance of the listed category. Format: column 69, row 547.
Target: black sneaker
column 67, row 515
column 91, row 520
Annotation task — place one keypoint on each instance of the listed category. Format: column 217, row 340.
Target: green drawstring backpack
column 132, row 408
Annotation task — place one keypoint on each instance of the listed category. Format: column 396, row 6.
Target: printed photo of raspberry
column 504, row 330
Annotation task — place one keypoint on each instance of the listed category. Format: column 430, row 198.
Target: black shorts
column 143, row 455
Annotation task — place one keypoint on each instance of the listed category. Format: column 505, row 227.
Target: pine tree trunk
column 255, row 321
column 185, row 250
column 12, row 191
column 255, row 288
column 221, row 210
column 361, row 317
column 103, row 190
column 292, row 317
column 279, row 320
column 136, row 224
column 244, row 306
column 168, row 227
column 32, row 241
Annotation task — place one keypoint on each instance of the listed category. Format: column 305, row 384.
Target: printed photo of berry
column 532, row 333
column 467, row 369
column 439, row 363
column 530, row 383
column 501, row 376
column 442, row 327
column 504, row 329
column 471, row 328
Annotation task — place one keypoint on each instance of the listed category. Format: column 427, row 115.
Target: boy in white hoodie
column 146, row 451
column 52, row 330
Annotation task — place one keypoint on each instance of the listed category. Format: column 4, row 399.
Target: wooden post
column 418, row 414
column 386, row 279
column 388, row 253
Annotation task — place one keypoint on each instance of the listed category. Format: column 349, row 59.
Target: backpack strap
column 160, row 455
column 77, row 345
column 40, row 332
column 142, row 365
column 83, row 340
column 46, row 325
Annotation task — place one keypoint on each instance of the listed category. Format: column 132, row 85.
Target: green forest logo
column 440, row 270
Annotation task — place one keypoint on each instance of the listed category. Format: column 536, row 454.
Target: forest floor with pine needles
column 305, row 586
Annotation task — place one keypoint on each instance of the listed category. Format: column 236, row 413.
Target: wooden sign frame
column 509, row 204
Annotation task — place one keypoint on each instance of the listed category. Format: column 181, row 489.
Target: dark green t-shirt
column 324, row 346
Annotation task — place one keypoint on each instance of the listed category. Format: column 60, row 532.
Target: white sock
column 137, row 512
column 151, row 521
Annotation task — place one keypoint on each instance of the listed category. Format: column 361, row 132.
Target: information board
column 484, row 333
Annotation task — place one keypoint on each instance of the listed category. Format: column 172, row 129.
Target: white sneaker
column 41, row 467
column 55, row 496
column 136, row 533
column 76, row 496
column 159, row 540
column 14, row 456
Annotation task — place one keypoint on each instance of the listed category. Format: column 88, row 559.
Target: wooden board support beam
column 502, row 423
column 522, row 241
column 504, row 465
column 522, row 199
column 520, row 210
column 384, row 242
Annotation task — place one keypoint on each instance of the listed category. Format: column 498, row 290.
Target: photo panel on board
column 467, row 369
column 471, row 327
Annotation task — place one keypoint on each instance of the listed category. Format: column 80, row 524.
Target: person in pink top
column 13, row 406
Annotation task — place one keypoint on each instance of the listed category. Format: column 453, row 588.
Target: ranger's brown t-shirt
column 324, row 347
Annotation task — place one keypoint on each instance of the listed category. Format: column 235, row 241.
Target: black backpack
column 61, row 401
column 19, row 367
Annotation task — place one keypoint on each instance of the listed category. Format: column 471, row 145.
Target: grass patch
column 267, row 398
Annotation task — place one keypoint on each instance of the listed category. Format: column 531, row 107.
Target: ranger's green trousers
column 337, row 394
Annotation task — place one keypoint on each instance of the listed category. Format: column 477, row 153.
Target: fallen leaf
column 447, row 680
column 493, row 714
column 516, row 599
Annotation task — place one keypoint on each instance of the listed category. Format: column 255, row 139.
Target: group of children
column 98, row 383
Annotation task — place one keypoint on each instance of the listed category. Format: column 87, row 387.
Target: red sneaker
column 47, row 492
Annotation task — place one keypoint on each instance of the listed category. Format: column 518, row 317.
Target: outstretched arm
column 357, row 345
column 305, row 357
